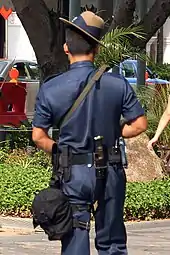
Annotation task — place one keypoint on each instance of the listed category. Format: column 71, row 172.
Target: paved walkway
column 18, row 238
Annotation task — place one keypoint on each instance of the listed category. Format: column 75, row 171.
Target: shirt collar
column 82, row 64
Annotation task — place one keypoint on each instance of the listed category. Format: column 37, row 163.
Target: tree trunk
column 153, row 20
column 2, row 37
column 160, row 45
column 105, row 10
column 153, row 52
column 45, row 33
column 124, row 14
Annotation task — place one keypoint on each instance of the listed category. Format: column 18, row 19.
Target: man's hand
column 42, row 140
column 135, row 128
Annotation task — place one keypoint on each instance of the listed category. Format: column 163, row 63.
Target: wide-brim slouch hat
column 88, row 23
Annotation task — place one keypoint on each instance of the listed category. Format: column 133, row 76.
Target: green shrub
column 21, row 158
column 145, row 201
column 21, row 175
column 163, row 71
column 18, row 185
column 18, row 139
column 41, row 159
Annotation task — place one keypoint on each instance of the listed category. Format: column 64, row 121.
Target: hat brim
column 82, row 30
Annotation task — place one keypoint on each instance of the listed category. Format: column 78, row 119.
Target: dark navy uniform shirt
column 98, row 114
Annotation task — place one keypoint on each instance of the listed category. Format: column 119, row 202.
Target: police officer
column 97, row 116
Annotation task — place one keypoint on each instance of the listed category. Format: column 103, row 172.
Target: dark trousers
column 109, row 226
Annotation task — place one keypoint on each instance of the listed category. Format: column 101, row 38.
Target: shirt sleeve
column 132, row 108
column 43, row 112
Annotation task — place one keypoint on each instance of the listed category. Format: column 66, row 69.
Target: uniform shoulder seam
column 50, row 77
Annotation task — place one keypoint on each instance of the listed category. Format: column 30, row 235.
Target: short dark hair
column 78, row 43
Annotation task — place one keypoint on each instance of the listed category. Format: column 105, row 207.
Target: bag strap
column 84, row 93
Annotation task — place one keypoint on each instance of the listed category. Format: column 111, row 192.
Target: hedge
column 162, row 70
column 19, row 183
column 149, row 200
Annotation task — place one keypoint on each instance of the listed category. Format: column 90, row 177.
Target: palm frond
column 119, row 46
column 119, row 34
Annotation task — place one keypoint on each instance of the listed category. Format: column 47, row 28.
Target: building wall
column 152, row 44
column 18, row 44
column 167, row 41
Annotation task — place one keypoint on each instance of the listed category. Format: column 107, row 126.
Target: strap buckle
column 101, row 172
column 84, row 225
column 114, row 156
column 80, row 224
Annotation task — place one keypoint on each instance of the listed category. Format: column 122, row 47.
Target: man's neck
column 77, row 58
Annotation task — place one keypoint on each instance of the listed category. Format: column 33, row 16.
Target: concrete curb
column 18, row 223
column 13, row 223
column 17, row 231
column 147, row 224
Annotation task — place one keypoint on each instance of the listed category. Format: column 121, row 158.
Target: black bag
column 52, row 211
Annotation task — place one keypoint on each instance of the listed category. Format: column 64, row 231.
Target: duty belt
column 63, row 161
column 82, row 159
column 114, row 157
